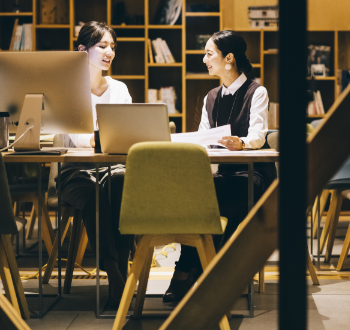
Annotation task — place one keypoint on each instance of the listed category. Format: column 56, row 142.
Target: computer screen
column 62, row 78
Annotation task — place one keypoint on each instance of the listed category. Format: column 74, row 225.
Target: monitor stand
column 30, row 116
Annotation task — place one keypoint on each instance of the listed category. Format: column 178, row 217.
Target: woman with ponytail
column 242, row 103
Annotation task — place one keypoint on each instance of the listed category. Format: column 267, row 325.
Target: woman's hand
column 92, row 141
column 232, row 143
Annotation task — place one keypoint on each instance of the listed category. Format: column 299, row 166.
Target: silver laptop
column 122, row 125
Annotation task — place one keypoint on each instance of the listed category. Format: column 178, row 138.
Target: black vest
column 235, row 110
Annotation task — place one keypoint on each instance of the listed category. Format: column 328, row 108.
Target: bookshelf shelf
column 175, row 115
column 256, row 65
column 165, row 64
column 130, row 39
column 127, row 26
column 315, row 116
column 195, row 51
column 322, row 78
column 16, row 14
column 52, row 26
column 200, row 76
column 121, row 77
column 161, row 27
column 210, row 14
column 271, row 52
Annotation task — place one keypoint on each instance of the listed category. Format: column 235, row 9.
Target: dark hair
column 228, row 41
column 92, row 32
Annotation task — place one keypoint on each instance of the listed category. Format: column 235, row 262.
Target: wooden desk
column 88, row 156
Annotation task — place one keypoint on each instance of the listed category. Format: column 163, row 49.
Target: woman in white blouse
column 78, row 180
column 242, row 103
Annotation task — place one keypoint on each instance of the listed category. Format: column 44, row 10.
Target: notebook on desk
column 122, row 125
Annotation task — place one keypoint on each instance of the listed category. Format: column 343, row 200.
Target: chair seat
column 342, row 184
column 53, row 202
column 26, row 188
column 223, row 221
column 20, row 222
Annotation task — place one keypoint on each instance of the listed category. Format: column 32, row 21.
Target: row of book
column 21, row 37
column 162, row 53
column 315, row 105
column 165, row 95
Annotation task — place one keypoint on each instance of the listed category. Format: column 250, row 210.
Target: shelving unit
column 131, row 64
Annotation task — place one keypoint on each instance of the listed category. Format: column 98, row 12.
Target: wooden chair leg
column 333, row 224
column 344, row 251
column 143, row 280
column 30, row 230
column 73, row 250
column 82, row 245
column 262, row 280
column 66, row 219
column 9, row 317
column 311, row 268
column 6, row 278
column 329, row 219
column 323, row 201
column 15, row 276
column 45, row 231
column 206, row 251
column 141, row 254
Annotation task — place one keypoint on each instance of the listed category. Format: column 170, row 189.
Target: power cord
column 12, row 144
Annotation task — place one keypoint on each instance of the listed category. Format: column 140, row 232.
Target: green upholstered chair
column 8, row 266
column 168, row 196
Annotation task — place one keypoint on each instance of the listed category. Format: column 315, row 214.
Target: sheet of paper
column 225, row 152
column 207, row 137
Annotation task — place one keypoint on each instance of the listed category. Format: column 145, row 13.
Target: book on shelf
column 273, row 115
column 21, row 39
column 165, row 95
column 13, row 35
column 159, row 57
column 343, row 80
column 150, row 53
column 315, row 106
column 162, row 51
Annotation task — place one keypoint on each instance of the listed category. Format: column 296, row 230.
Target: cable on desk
column 12, row 144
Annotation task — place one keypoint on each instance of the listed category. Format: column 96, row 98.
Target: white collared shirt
column 116, row 92
column 258, row 126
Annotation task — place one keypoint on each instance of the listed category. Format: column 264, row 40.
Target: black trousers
column 232, row 195
column 78, row 188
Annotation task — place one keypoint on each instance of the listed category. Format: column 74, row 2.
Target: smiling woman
column 78, row 180
column 243, row 104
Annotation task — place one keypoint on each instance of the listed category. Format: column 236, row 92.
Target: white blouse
column 258, row 126
column 116, row 92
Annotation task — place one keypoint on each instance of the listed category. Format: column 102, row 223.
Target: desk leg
column 97, row 242
column 59, row 227
column 41, row 310
column 250, row 206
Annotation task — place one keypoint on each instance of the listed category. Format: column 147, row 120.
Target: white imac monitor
column 48, row 91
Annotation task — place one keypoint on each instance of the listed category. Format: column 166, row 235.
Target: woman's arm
column 204, row 124
column 258, row 125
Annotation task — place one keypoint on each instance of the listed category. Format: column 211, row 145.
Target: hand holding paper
column 203, row 138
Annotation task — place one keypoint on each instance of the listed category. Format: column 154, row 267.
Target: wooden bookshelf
column 132, row 59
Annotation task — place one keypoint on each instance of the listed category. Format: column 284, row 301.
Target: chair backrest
column 7, row 218
column 169, row 189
